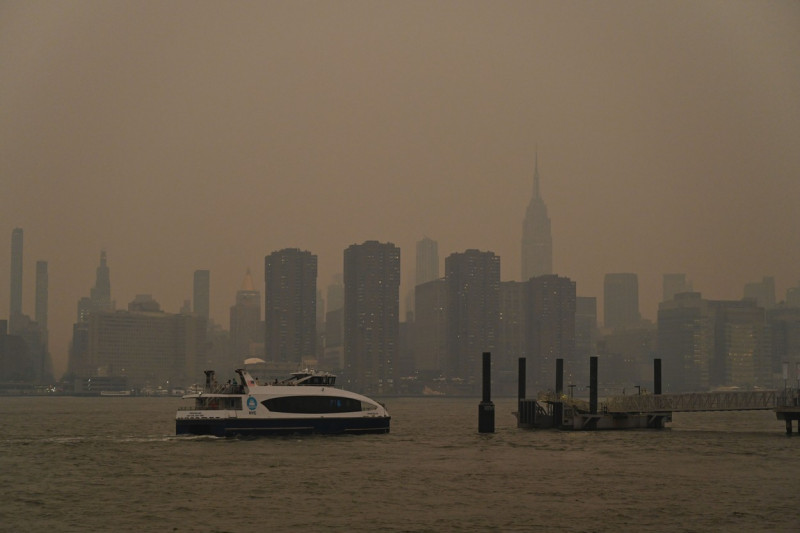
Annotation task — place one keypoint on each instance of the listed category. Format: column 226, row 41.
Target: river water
column 114, row 464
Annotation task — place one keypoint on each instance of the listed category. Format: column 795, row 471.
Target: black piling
column 486, row 407
column 558, row 405
column 593, row 385
column 521, row 379
column 656, row 376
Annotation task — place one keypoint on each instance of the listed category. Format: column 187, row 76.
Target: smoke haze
column 193, row 135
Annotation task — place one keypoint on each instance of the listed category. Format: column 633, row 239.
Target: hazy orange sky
column 191, row 135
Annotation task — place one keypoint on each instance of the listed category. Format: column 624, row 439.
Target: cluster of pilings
column 552, row 414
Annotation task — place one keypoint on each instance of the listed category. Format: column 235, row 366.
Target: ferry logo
column 251, row 403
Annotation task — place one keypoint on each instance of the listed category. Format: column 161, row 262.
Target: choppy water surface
column 103, row 464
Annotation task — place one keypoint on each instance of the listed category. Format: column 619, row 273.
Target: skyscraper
column 202, row 293
column 290, row 306
column 673, row 284
column 621, row 300
column 15, row 311
column 371, row 314
column 537, row 241
column 100, row 294
column 763, row 292
column 550, row 328
column 427, row 261
column 41, row 300
column 245, row 320
column 473, row 311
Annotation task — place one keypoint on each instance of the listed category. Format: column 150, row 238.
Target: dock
column 555, row 410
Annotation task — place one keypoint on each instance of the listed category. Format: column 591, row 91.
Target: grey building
column 290, row 306
column 371, row 315
column 473, row 312
column 621, row 301
column 537, row 240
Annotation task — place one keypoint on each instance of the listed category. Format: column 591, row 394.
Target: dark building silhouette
column 247, row 333
column 473, row 309
column 371, row 315
column 673, row 284
column 15, row 310
column 430, row 328
column 290, row 306
column 537, row 240
column 550, row 328
column 511, row 343
column 763, row 292
column 98, row 301
column 621, row 301
column 427, row 261
column 144, row 347
column 201, row 293
column 713, row 343
column 586, row 336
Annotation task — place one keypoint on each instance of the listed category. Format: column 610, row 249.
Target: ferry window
column 312, row 404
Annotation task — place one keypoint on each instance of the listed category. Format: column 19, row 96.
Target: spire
column 536, row 176
column 247, row 284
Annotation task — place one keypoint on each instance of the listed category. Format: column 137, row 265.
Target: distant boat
column 307, row 402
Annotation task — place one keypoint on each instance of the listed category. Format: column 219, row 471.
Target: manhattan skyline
column 666, row 135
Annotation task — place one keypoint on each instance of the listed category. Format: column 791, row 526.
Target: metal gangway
column 754, row 400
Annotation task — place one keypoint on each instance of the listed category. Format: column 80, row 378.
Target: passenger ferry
column 307, row 402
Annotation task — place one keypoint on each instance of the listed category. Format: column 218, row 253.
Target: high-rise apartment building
column 550, row 328
column 245, row 321
column 15, row 311
column 673, row 284
column 473, row 312
column 621, row 301
column 290, row 306
column 201, row 293
column 713, row 343
column 371, row 315
column 537, row 240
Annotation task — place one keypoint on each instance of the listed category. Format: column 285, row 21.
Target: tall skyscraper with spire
column 537, row 241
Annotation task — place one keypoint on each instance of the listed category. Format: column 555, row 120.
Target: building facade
column 371, row 315
column 473, row 312
column 621, row 301
column 290, row 307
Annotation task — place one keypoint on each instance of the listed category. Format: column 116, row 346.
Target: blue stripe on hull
column 230, row 427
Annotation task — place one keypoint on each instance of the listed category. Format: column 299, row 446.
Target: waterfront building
column 147, row 348
column 706, row 344
column 473, row 309
column 537, row 240
column 621, row 301
column 290, row 307
column 371, row 315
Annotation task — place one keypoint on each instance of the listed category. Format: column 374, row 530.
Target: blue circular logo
column 251, row 403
